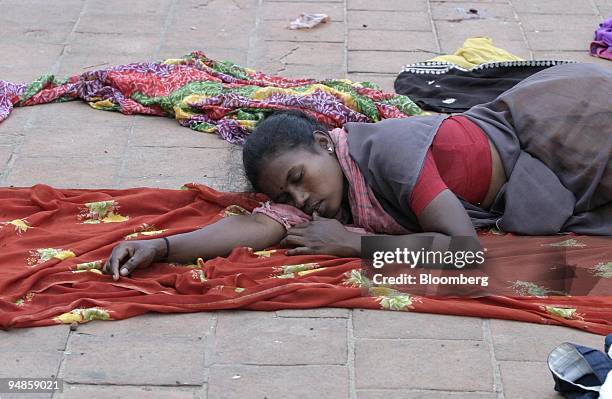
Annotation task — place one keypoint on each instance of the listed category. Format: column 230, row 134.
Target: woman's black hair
column 279, row 132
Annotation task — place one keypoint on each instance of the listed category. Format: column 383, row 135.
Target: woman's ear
column 324, row 141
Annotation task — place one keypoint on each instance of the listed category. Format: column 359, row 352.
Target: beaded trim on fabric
column 440, row 67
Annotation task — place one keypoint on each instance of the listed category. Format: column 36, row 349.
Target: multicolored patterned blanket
column 53, row 244
column 210, row 96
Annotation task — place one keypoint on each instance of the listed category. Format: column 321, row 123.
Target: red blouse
column 459, row 159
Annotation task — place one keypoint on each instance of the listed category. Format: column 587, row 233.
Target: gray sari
column 553, row 132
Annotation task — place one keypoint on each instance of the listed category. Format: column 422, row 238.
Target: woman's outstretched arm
column 257, row 231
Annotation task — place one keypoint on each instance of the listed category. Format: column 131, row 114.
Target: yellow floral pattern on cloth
column 603, row 269
column 93, row 267
column 301, row 269
column 20, row 225
column 42, row 255
column 198, row 265
column 145, row 230
column 101, row 212
column 356, row 278
column 527, row 288
column 569, row 243
column 233, row 210
column 25, row 299
column 388, row 298
column 199, row 275
column 265, row 254
column 83, row 315
column 564, row 312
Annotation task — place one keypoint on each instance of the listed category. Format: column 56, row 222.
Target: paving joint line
column 498, row 385
column 520, row 24
column 303, row 41
column 211, row 334
column 167, row 23
column 596, row 9
column 419, row 339
column 350, row 343
column 61, row 366
column 253, row 51
column 174, row 386
column 66, row 43
column 345, row 49
column 424, row 390
column 281, row 365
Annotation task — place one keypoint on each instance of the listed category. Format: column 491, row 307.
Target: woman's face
column 306, row 180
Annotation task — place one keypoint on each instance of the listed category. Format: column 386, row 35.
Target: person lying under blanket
column 534, row 161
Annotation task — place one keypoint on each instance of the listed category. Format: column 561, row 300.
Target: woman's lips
column 319, row 208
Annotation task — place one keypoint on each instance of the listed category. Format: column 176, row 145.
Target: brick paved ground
column 331, row 353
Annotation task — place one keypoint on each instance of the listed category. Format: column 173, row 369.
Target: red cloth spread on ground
column 459, row 159
column 53, row 243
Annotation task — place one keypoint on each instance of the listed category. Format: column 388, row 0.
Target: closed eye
column 298, row 178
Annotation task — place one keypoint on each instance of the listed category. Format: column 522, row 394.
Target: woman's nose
column 300, row 198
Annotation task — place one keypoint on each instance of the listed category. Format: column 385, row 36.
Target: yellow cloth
column 476, row 51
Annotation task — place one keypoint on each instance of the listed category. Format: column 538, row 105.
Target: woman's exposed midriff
column 498, row 177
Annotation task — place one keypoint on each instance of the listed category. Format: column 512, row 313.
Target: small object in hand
column 73, row 326
column 307, row 21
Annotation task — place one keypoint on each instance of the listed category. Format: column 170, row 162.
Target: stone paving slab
column 332, row 32
column 78, row 391
column 389, row 62
column 33, row 352
column 533, row 342
column 286, row 11
column 455, row 12
column 277, row 382
column 386, row 40
column 559, row 23
column 316, row 313
column 539, row 41
column 527, row 380
column 263, row 339
column 389, row 20
column 63, row 172
column 368, row 324
column 5, row 154
column 20, row 68
column 423, row 364
column 420, row 394
column 155, row 131
column 572, row 7
column 389, row 5
column 99, row 359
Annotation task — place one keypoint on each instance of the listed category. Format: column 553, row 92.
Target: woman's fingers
column 135, row 260
column 129, row 256
column 299, row 227
column 292, row 241
column 301, row 251
column 116, row 258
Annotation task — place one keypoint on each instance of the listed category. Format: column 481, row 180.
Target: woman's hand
column 130, row 255
column 322, row 236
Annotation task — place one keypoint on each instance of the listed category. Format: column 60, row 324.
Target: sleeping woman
column 534, row 161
